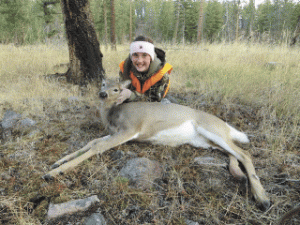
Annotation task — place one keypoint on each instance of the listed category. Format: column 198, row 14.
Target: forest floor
column 186, row 191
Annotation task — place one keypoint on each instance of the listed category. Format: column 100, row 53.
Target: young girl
column 148, row 71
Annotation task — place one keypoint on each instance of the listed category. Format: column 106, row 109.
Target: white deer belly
column 183, row 134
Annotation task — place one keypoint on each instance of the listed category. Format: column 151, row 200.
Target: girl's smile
column 141, row 61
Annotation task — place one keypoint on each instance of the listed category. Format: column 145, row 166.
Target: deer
column 164, row 124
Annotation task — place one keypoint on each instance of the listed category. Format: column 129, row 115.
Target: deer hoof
column 55, row 165
column 265, row 205
column 47, row 177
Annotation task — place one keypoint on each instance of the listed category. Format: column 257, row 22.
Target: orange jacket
column 151, row 81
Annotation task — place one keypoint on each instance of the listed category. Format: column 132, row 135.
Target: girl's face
column 141, row 61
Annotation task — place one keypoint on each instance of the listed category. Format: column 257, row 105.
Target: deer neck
column 109, row 113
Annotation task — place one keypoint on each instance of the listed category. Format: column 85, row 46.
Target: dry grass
column 234, row 82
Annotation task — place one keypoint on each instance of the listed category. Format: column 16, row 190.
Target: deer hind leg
column 235, row 169
column 97, row 146
column 257, row 189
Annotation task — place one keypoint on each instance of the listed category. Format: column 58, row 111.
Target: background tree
column 84, row 50
column 237, row 25
column 14, row 20
column 200, row 22
column 49, row 11
column 177, row 11
column 130, row 22
column 213, row 20
column 166, row 20
column 265, row 17
column 191, row 14
column 113, row 26
column 122, row 14
column 174, row 21
column 101, row 10
column 248, row 15
column 296, row 33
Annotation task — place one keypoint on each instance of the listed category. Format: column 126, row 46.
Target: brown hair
column 143, row 38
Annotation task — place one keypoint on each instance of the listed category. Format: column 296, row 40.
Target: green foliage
column 295, row 14
column 28, row 21
column 276, row 18
column 122, row 9
column 97, row 9
column 191, row 17
column 213, row 20
column 166, row 20
column 248, row 14
column 14, row 20
column 24, row 21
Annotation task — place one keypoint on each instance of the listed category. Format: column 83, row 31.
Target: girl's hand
column 125, row 94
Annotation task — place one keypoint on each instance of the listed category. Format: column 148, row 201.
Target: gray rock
column 25, row 126
column 95, row 219
column 190, row 222
column 141, row 172
column 116, row 155
column 273, row 65
column 73, row 99
column 10, row 119
column 13, row 122
column 209, row 161
column 69, row 208
column 5, row 176
column 27, row 122
column 20, row 155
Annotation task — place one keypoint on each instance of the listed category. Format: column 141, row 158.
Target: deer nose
column 102, row 94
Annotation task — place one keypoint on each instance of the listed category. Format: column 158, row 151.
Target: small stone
column 95, row 219
column 59, row 210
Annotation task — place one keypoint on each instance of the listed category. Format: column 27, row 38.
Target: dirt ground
column 203, row 194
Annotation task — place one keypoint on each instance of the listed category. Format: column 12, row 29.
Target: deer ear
column 125, row 84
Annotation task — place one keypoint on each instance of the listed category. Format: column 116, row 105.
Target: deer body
column 186, row 126
column 166, row 124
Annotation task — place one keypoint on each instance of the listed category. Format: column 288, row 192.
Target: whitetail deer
column 166, row 124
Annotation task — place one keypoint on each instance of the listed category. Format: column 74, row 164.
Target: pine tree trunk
column 84, row 49
column 130, row 22
column 177, row 24
column 200, row 22
column 296, row 33
column 113, row 26
column 237, row 21
column 105, row 24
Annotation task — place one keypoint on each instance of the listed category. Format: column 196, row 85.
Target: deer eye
column 116, row 90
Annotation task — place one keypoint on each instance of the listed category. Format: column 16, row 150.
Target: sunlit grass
column 22, row 76
column 257, row 75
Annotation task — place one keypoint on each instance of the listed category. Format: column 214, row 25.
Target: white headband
column 142, row 46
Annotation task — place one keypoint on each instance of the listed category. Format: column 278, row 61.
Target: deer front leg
column 97, row 147
column 81, row 151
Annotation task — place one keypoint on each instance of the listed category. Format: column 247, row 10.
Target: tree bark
column 84, row 49
column 200, row 22
column 237, row 22
column 177, row 24
column 130, row 22
column 48, row 17
column 296, row 33
column 105, row 24
column 113, row 25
